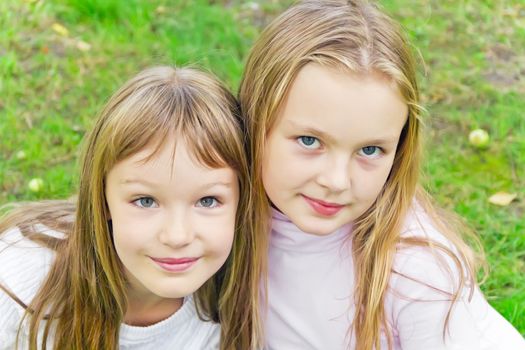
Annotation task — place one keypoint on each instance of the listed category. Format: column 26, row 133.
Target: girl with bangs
column 358, row 256
column 141, row 259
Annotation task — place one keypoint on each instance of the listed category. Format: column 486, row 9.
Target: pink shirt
column 310, row 293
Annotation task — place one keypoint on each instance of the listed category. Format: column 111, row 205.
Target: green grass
column 472, row 75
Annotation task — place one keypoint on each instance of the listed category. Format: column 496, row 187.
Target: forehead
column 168, row 162
column 343, row 104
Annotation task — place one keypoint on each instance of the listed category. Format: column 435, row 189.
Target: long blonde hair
column 358, row 38
column 83, row 297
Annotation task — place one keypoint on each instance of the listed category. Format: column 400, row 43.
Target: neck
column 145, row 309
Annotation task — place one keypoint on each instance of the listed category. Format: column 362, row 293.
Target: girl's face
column 332, row 148
column 173, row 220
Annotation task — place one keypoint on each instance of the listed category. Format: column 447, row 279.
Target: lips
column 175, row 264
column 322, row 207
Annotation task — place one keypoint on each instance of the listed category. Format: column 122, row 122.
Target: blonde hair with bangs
column 356, row 37
column 83, row 299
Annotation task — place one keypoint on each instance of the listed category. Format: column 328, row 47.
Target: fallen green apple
column 479, row 138
column 36, row 184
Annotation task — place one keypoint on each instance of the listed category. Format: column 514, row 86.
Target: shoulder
column 427, row 304
column 23, row 261
column 206, row 334
column 426, row 294
column 24, row 265
column 432, row 269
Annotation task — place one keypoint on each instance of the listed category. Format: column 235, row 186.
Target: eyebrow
column 311, row 131
column 387, row 140
column 382, row 141
column 131, row 181
column 217, row 184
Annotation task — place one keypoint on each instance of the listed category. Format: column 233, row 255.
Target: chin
column 173, row 293
column 317, row 228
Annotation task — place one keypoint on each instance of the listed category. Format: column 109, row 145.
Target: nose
column 177, row 230
column 335, row 174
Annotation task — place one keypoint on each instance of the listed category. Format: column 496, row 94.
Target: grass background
column 54, row 79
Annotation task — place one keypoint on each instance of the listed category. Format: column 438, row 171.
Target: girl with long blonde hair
column 155, row 251
column 358, row 256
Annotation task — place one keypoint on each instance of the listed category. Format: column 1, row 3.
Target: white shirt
column 310, row 296
column 23, row 266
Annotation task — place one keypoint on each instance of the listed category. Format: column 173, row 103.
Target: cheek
column 219, row 245
column 131, row 232
column 372, row 182
column 124, row 240
column 270, row 161
column 273, row 179
column 218, row 235
column 224, row 244
column 284, row 168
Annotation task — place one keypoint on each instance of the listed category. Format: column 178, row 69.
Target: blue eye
column 208, row 202
column 145, row 202
column 370, row 151
column 309, row 142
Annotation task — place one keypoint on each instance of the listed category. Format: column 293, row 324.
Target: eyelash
column 216, row 201
column 372, row 156
column 300, row 140
column 138, row 203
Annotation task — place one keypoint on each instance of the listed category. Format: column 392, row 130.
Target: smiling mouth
column 175, row 264
column 322, row 207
